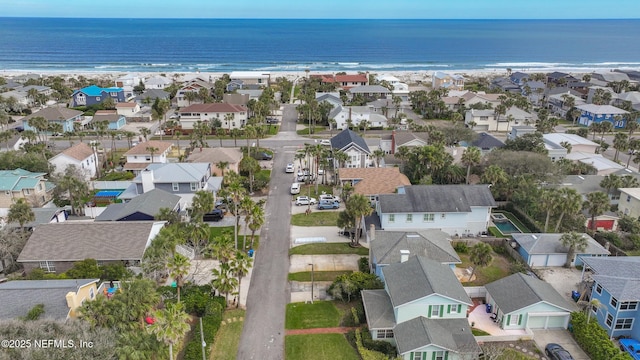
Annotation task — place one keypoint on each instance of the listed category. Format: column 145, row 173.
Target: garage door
column 548, row 322
column 547, row 260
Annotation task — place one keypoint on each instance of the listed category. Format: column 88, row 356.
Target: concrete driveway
column 562, row 337
column 562, row 279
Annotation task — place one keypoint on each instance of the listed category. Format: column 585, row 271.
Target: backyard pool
column 503, row 224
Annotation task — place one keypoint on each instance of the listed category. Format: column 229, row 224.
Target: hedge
column 210, row 325
column 594, row 340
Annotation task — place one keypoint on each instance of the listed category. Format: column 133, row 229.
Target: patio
column 482, row 320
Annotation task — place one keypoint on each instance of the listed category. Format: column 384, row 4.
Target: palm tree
column 20, row 212
column 222, row 165
column 548, row 203
column 236, row 192
column 479, row 255
column 240, row 267
column 249, row 133
column 611, row 182
column 378, row 154
column 620, row 143
column 595, row 128
column 152, row 150
column 235, row 133
column 190, row 96
column 569, row 202
column 171, row 325
column 605, row 127
column 257, row 220
column 470, row 157
column 358, row 206
column 573, row 241
column 596, row 204
column 178, row 269
column 145, row 132
column 223, row 280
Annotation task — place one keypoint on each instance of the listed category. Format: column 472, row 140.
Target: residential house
column 373, row 181
column 629, row 97
column 557, row 102
column 486, row 120
column 14, row 143
column 534, row 91
column 54, row 248
column 193, row 86
column 459, row 210
column 605, row 77
column 400, row 89
column 602, row 165
column 215, row 156
column 545, row 250
column 55, row 115
column 236, row 99
column 555, row 151
column 47, row 215
column 471, row 98
column 614, row 284
column 156, row 82
column 21, row 98
column 370, row 92
column 22, row 79
column 519, row 130
column 140, row 156
column 593, row 90
column 231, row 116
column 149, row 96
column 591, row 113
column 347, row 81
column 519, row 78
column 486, row 143
column 505, row 84
column 255, row 93
column 577, row 142
column 127, row 109
column 261, row 78
column 447, row 81
column 523, row 301
column 79, row 155
column 332, row 98
column 61, row 298
column 144, row 207
column 629, row 203
column 93, row 94
column 358, row 153
column 127, row 83
column 41, row 90
column 389, row 247
column 354, row 116
column 559, row 78
column 114, row 120
column 386, row 107
column 422, row 310
column 23, row 184
column 404, row 139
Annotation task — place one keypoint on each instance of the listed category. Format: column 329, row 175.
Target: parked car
column 557, row 352
column 272, row 121
column 263, row 156
column 328, row 204
column 295, row 188
column 329, row 197
column 631, row 346
column 289, row 168
column 325, row 142
column 305, row 200
column 214, row 215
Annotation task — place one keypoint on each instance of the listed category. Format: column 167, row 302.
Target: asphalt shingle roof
column 148, row 203
column 375, row 180
column 550, row 244
column 177, row 172
column 619, row 275
column 378, row 309
column 431, row 244
column 450, row 334
column 518, row 291
column 55, row 113
column 437, row 198
column 347, row 137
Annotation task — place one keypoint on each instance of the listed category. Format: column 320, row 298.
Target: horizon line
column 299, row 18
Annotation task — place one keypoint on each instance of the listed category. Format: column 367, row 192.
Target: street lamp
column 311, row 283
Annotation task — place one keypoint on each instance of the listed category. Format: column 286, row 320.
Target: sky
column 326, row 9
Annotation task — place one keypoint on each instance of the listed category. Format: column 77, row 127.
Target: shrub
column 35, row 312
column 348, row 286
column 461, row 247
column 499, row 249
column 368, row 354
column 363, row 265
column 210, row 325
column 594, row 340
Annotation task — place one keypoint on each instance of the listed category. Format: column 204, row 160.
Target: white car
column 305, row 200
column 289, row 169
column 295, row 188
column 325, row 142
column 329, row 197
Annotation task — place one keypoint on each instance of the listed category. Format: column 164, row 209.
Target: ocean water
column 224, row 45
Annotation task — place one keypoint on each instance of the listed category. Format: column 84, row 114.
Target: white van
column 295, row 188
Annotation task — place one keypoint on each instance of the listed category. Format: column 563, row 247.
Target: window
column 443, row 216
column 40, row 186
column 409, row 218
column 609, row 319
column 628, row 198
column 91, row 294
column 599, row 289
column 435, row 311
column 454, row 309
column 147, row 158
column 385, row 334
column 48, row 266
column 439, row 355
column 624, row 324
column 98, row 98
column 514, row 319
column 194, row 186
column 175, row 186
column 614, row 302
column 428, row 217
column 629, row 305
column 418, row 356
column 392, row 218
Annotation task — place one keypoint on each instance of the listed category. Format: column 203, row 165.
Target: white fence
column 476, row 291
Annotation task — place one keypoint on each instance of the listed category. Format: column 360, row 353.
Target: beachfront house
column 447, row 81
column 93, row 94
column 79, row 155
column 458, row 210
column 23, row 184
column 194, row 87
column 249, row 78
column 545, row 250
column 591, row 113
column 231, row 116
column 156, row 82
column 346, row 81
column 127, row 83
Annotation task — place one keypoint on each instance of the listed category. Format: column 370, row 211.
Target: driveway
column 562, row 279
column 562, row 337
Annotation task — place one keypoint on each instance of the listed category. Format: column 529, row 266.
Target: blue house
column 93, row 94
column 591, row 113
column 543, row 250
column 55, row 115
column 616, row 286
column 116, row 121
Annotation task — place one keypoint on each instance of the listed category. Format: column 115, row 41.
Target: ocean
column 225, row 45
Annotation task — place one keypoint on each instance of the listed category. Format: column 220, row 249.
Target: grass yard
column 305, row 131
column 319, row 347
column 225, row 346
column 320, row 314
column 317, row 275
column 317, row 218
column 328, row 249
column 215, row 232
column 500, row 267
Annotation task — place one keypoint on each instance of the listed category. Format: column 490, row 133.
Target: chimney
column 393, row 141
column 71, row 300
column 372, row 232
column 404, row 255
column 147, row 180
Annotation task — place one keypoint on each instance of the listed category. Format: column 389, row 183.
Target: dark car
column 214, row 215
column 557, row 352
column 19, row 128
column 272, row 121
column 263, row 156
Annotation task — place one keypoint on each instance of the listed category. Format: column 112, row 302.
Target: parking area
column 561, row 337
column 562, row 279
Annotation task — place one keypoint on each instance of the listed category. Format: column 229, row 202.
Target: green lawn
column 228, row 337
column 319, row 347
column 218, row 231
column 499, row 268
column 305, row 131
column 316, row 218
column 328, row 249
column 320, row 314
column 317, row 275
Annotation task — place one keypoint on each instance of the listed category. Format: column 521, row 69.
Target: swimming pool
column 503, row 224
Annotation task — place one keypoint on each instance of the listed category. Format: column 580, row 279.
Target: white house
column 192, row 86
column 128, row 109
column 459, row 210
column 577, row 142
column 400, row 89
column 357, row 114
column 139, row 156
column 357, row 150
column 486, row 120
column 231, row 116
column 81, row 156
column 156, row 82
column 127, row 83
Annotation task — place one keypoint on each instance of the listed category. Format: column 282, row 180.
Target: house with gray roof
column 54, row 248
column 370, row 92
column 615, row 283
column 144, row 207
column 458, row 210
column 523, row 301
column 354, row 146
column 422, row 310
column 60, row 298
column 545, row 249
column 151, row 95
column 486, row 143
column 354, row 116
column 390, row 247
column 55, row 115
